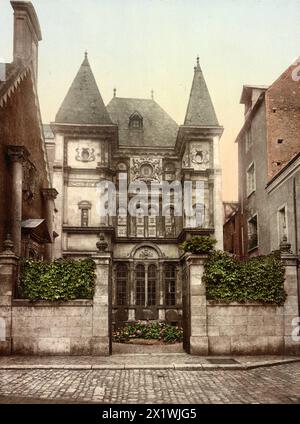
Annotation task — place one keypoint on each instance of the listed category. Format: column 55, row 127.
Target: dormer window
column 136, row 121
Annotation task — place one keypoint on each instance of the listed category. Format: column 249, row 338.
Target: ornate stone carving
column 146, row 253
column 146, row 169
column 82, row 183
column 85, row 154
column 199, row 157
column 29, row 181
column 102, row 245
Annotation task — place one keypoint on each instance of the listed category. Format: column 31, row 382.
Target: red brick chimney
column 27, row 34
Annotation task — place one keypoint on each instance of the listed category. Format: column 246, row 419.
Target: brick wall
column 283, row 121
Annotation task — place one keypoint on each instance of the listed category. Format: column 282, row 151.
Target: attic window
column 136, row 121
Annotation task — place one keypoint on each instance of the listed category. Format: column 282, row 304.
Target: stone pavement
column 181, row 361
column 276, row 384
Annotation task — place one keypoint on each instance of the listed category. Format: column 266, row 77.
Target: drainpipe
column 296, row 238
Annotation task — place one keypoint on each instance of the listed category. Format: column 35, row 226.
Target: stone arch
column 144, row 246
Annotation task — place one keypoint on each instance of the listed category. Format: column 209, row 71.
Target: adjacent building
column 26, row 195
column 268, row 158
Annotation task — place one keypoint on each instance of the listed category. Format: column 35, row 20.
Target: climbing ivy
column 198, row 245
column 63, row 279
column 259, row 279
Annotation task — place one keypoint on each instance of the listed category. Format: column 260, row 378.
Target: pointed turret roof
column 83, row 104
column 200, row 111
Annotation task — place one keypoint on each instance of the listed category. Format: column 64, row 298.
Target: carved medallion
column 146, row 169
column 85, row 154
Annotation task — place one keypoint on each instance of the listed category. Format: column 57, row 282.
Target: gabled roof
column 159, row 129
column 247, row 90
column 83, row 103
column 14, row 73
column 200, row 111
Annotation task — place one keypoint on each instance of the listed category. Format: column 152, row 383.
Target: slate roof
column 83, row 103
column 159, row 129
column 48, row 133
column 200, row 111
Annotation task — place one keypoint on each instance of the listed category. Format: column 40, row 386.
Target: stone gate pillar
column 8, row 277
column 195, row 310
column 102, row 306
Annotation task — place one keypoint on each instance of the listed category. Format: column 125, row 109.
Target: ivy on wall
column 199, row 245
column 259, row 279
column 64, row 279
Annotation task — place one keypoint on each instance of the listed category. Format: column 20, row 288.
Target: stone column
column 8, row 277
column 49, row 195
column 196, row 302
column 101, row 344
column 17, row 155
column 291, row 305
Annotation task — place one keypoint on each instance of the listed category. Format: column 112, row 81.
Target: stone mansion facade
column 134, row 139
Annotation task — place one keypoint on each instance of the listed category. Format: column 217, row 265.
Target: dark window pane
column 121, row 284
column 170, row 284
column 140, row 285
column 152, row 277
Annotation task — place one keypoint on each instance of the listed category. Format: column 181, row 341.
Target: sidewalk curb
column 178, row 367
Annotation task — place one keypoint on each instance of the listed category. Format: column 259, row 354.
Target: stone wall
column 251, row 328
column 52, row 329
column 77, row 327
column 214, row 328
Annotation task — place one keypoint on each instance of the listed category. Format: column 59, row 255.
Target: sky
column 140, row 45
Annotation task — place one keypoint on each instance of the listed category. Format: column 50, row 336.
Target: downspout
column 296, row 238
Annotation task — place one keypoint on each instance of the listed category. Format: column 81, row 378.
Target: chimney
column 27, row 34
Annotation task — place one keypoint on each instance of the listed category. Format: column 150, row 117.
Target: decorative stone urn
column 102, row 245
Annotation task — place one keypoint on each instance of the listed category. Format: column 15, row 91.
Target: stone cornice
column 49, row 193
column 17, row 153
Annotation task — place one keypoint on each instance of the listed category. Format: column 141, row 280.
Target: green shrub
column 199, row 245
column 63, row 279
column 259, row 279
column 152, row 330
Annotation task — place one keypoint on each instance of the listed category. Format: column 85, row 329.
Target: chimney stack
column 27, row 34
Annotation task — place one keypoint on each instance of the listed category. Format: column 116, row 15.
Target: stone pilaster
column 49, row 195
column 291, row 305
column 196, row 304
column 102, row 306
column 8, row 277
column 17, row 155
column 217, row 196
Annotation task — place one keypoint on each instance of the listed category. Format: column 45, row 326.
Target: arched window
column 170, row 284
column 121, row 284
column 140, row 285
column 152, row 278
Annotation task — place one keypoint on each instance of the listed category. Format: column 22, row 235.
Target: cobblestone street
column 277, row 384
